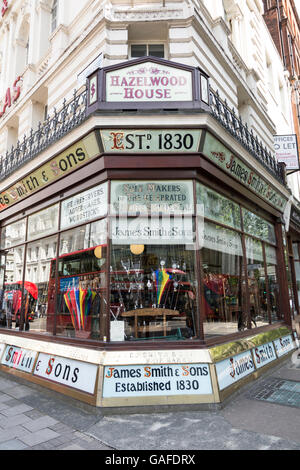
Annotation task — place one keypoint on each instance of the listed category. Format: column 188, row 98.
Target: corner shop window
column 85, row 206
column 153, row 292
column 218, row 208
column 257, row 282
column 13, row 234
column 81, row 292
column 273, row 295
column 43, row 223
column 10, row 313
column 258, row 227
column 222, row 264
column 141, row 50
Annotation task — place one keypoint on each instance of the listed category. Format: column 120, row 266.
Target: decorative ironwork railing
column 52, row 129
column 240, row 132
column 73, row 113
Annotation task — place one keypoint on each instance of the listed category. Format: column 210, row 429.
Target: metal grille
column 52, row 129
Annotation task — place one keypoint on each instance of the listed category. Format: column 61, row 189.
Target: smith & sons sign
column 74, row 157
column 221, row 156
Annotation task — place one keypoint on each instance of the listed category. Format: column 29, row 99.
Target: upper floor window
column 54, row 15
column 141, row 50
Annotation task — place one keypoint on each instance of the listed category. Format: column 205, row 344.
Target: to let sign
column 286, row 149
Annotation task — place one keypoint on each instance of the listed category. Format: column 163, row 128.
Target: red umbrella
column 30, row 287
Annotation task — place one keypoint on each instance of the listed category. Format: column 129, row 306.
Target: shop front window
column 43, row 223
column 257, row 283
column 81, row 276
column 12, row 305
column 258, row 227
column 153, row 292
column 222, row 265
column 13, row 234
column 297, row 273
column 273, row 299
column 39, row 291
column 217, row 207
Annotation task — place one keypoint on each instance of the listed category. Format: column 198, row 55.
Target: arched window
column 54, row 15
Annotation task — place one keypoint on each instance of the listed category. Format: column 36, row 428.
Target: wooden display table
column 150, row 312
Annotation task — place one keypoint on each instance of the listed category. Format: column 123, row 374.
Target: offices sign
column 286, row 150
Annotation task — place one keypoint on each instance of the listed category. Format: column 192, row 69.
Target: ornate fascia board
column 154, row 14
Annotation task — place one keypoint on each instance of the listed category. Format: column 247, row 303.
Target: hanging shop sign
column 264, row 354
column 11, row 96
column 286, row 150
column 151, row 141
column 146, row 83
column 152, row 231
column 74, row 374
column 63, row 164
column 155, row 380
column 19, row 358
column 231, row 164
column 149, row 81
column 149, row 197
column 85, row 206
column 234, row 368
column 284, row 345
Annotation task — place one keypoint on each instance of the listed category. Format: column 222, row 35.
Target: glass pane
column 297, row 271
column 222, row 264
column 43, row 223
column 138, row 50
column 40, row 289
column 217, row 207
column 156, row 50
column 295, row 251
column 257, row 283
column 81, row 297
column 13, row 234
column 258, row 227
column 85, row 206
column 146, row 197
column 271, row 260
column 153, row 292
column 12, row 295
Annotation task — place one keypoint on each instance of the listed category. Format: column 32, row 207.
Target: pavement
column 262, row 415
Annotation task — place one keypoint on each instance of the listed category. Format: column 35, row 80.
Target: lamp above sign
column 148, row 83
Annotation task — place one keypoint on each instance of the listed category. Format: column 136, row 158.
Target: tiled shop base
column 283, row 392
